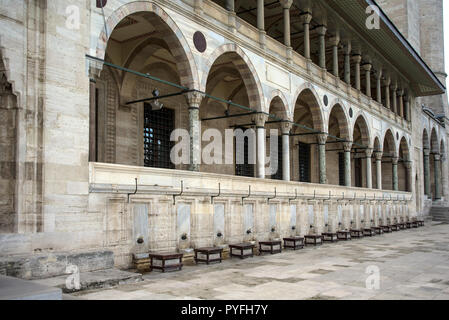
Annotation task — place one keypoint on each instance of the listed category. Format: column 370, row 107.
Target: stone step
column 18, row 289
column 53, row 264
column 93, row 280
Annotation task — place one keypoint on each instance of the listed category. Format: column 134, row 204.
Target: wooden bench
column 357, row 233
column 394, row 227
column 314, row 239
column 369, row 232
column 242, row 250
column 159, row 261
column 378, row 230
column 387, row 229
column 415, row 224
column 294, row 243
column 208, row 255
column 344, row 235
column 420, row 223
column 274, row 246
column 330, row 237
column 408, row 225
column 402, row 226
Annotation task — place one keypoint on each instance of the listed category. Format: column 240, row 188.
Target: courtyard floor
column 412, row 264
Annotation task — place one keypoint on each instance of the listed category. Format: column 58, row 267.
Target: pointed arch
column 425, row 139
column 246, row 70
column 362, row 124
column 389, row 144
column 162, row 22
column 307, row 93
column 342, row 119
column 279, row 97
column 434, row 144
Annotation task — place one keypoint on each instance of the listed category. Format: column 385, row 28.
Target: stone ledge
column 41, row 266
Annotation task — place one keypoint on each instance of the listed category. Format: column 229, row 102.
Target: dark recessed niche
column 199, row 41
column 397, row 135
column 351, row 113
column 326, row 100
column 101, row 3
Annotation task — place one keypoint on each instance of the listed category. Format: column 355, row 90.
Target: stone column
column 322, row 46
column 347, row 146
column 322, row 138
column 92, row 121
column 408, row 167
column 369, row 177
column 285, row 128
column 261, row 140
column 426, row 153
column 378, row 156
column 348, row 63
column 401, row 103
column 394, row 162
column 261, row 21
column 379, row 86
column 194, row 101
column 367, row 67
column 387, row 83
column 394, row 88
column 306, row 18
column 357, row 59
column 335, row 41
column 437, row 161
column 407, row 107
column 286, row 4
column 230, row 6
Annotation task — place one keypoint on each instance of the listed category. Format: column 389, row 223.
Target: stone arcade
column 362, row 115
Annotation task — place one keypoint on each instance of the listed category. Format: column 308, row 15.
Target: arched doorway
column 338, row 127
column 360, row 145
column 305, row 137
column 404, row 166
column 435, row 167
column 128, row 125
column 232, row 78
column 389, row 154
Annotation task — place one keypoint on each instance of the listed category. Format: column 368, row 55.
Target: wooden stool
column 356, row 233
column 314, row 239
column 368, row 232
column 163, row 258
column 294, row 243
column 330, row 237
column 344, row 235
column 246, row 250
column 271, row 245
column 208, row 252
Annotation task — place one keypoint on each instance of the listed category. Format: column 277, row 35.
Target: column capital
column 367, row 66
column 436, row 156
column 395, row 160
column 286, row 4
column 260, row 119
column 306, row 17
column 369, row 152
column 408, row 165
column 378, row 155
column 426, row 152
column 387, row 81
column 357, row 58
column 321, row 138
column 286, row 127
column 334, row 41
column 379, row 74
column 347, row 146
column 394, row 86
column 400, row 92
column 321, row 30
column 194, row 99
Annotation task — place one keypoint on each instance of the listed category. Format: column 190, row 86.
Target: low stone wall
column 41, row 266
